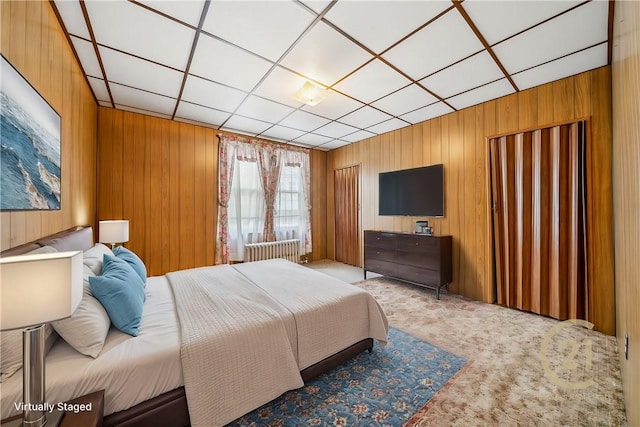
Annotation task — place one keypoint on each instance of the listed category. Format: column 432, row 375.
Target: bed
column 192, row 361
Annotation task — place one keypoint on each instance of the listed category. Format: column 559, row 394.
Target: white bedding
column 136, row 369
column 248, row 329
column 130, row 369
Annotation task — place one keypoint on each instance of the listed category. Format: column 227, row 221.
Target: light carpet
column 522, row 369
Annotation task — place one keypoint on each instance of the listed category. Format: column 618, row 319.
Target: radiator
column 287, row 249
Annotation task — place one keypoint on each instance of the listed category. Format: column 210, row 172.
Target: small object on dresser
column 420, row 225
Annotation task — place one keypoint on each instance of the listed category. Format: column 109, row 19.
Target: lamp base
column 52, row 419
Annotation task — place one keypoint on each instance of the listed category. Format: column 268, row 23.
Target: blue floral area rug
column 384, row 388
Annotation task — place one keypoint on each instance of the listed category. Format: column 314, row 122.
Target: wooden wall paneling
column 599, row 182
column 563, row 100
column 5, row 26
column 469, row 214
column 210, row 195
column 140, row 184
column 186, row 195
column 416, row 149
column 528, row 109
column 582, row 94
column 554, row 254
column 482, row 224
column 626, row 152
column 153, row 202
column 175, row 237
column 33, row 42
column 331, row 159
column 117, row 178
column 199, row 223
column 373, row 202
column 573, row 221
column 166, row 206
column 130, row 122
column 507, row 114
column 545, row 105
column 536, row 212
column 456, row 192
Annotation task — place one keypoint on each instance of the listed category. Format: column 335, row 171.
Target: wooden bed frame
column 170, row 409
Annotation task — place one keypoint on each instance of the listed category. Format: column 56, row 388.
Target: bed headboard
column 73, row 239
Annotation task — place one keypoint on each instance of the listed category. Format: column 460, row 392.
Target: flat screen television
column 412, row 192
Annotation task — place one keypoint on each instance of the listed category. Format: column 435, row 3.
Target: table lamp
column 113, row 231
column 34, row 290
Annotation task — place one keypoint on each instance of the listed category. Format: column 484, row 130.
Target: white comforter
column 248, row 329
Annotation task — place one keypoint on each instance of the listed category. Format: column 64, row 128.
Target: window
column 251, row 211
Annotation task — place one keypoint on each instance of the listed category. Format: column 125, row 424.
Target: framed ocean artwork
column 30, row 146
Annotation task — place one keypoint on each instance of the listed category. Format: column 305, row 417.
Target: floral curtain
column 270, row 159
column 225, row 178
column 269, row 165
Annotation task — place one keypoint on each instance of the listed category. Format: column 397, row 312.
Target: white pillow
column 93, row 257
column 11, row 341
column 88, row 326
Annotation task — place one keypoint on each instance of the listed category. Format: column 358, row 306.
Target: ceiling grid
column 386, row 64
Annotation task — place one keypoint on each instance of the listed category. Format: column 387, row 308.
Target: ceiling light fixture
column 310, row 94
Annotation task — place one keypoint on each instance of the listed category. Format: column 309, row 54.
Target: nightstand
column 82, row 418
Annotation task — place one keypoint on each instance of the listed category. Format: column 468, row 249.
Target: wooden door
column 538, row 197
column 347, row 214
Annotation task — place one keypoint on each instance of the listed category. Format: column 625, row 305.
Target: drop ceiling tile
column 128, row 70
column 325, row 55
column 379, row 24
column 213, row 95
column 246, row 125
column 336, row 105
column 332, row 145
column 425, row 113
column 73, row 18
column 470, row 73
column 283, row 133
column 142, row 111
column 136, row 98
column 280, row 85
column 358, row 136
column 99, row 89
column 311, row 139
column 365, row 117
column 388, row 126
column 372, row 81
column 261, row 109
column 484, row 93
column 404, row 100
column 133, row 29
column 498, row 20
column 185, row 11
column 197, row 113
column 317, row 5
column 427, row 52
column 578, row 29
column 267, row 28
column 335, row 130
column 304, row 121
column 87, row 56
column 226, row 64
column 569, row 65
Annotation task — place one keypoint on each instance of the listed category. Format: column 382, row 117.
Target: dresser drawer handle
column 417, row 244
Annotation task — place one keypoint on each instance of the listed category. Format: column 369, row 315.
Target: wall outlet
column 626, row 346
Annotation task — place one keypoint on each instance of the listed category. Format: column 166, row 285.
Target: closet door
column 538, row 191
column 347, row 214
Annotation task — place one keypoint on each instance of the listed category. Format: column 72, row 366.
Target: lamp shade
column 114, row 231
column 39, row 288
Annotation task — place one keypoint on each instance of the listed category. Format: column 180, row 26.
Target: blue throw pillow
column 133, row 260
column 121, row 292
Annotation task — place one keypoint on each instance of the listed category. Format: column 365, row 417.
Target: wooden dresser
column 416, row 258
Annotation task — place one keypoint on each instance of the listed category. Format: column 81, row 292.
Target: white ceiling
column 235, row 65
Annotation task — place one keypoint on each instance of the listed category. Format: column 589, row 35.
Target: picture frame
column 30, row 146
